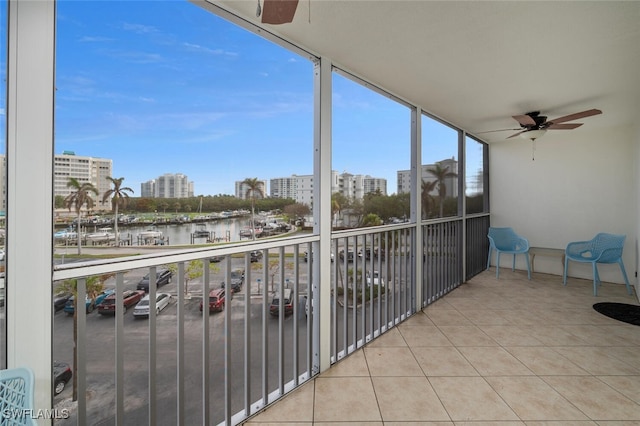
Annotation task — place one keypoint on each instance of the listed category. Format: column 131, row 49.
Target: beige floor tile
column 510, row 335
column 346, row 424
column 419, row 318
column 388, row 339
column 532, row 399
column 500, row 423
column 392, row 362
column 426, row 335
column 556, row 336
column 471, row 399
column 629, row 386
column 297, row 406
column 353, row 365
column 443, row 361
column 628, row 354
column 563, row 423
column 595, row 398
column 446, row 317
column 494, row 361
column 467, row 335
column 408, row 399
column 597, row 335
column 596, row 360
column 418, row 424
column 345, row 399
column 484, row 316
column 542, row 360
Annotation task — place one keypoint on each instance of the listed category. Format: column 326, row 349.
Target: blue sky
column 170, row 88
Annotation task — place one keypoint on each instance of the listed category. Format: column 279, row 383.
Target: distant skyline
column 175, row 89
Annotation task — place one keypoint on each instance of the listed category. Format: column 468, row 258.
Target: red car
column 216, row 300
column 129, row 298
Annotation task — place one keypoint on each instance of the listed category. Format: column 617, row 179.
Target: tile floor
column 493, row 352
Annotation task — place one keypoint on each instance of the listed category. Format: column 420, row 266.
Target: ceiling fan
column 533, row 125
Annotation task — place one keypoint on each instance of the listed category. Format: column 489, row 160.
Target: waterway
column 223, row 230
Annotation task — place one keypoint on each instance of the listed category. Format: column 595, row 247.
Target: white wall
column 581, row 182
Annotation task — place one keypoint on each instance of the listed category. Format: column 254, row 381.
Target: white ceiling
column 475, row 64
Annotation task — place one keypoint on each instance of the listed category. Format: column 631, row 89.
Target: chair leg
column 489, row 259
column 513, row 265
column 624, row 275
column 564, row 276
column 595, row 279
column 526, row 256
column 497, row 263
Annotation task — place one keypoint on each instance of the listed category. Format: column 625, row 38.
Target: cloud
column 199, row 48
column 94, row 39
column 139, row 28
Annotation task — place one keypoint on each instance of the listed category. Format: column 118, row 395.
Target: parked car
column 142, row 308
column 237, row 278
column 130, row 298
column 255, row 255
column 104, row 294
column 61, row 376
column 274, row 308
column 69, row 307
column 236, row 287
column 60, row 300
column 163, row 276
column 377, row 279
column 216, row 259
column 350, row 256
column 216, row 300
column 306, row 256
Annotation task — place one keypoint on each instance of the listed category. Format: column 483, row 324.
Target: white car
column 142, row 308
column 377, row 279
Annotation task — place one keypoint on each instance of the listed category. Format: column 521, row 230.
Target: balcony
column 507, row 350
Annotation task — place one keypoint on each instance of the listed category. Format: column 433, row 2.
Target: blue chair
column 603, row 248
column 505, row 240
column 16, row 396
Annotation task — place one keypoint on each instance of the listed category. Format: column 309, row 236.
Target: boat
column 102, row 235
column 248, row 232
column 150, row 233
column 65, row 234
column 201, row 231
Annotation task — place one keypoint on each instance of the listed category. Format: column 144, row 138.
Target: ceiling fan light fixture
column 533, row 134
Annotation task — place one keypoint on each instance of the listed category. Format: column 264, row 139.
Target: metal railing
column 186, row 367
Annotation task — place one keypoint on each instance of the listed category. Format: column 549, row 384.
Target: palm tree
column 78, row 198
column 119, row 196
column 253, row 186
column 427, row 198
column 441, row 173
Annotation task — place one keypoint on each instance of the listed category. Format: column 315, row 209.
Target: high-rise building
column 167, row 186
column 300, row 187
column 84, row 170
column 242, row 188
column 450, row 165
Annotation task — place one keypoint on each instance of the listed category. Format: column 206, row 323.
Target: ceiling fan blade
column 577, row 115
column 278, row 11
column 493, row 131
column 566, row 126
column 525, row 120
column 516, row 134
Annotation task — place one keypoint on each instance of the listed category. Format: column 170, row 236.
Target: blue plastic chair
column 505, row 240
column 603, row 248
column 16, row 396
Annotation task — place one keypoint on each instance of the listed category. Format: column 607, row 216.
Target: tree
column 253, row 187
column 94, row 285
column 78, row 198
column 58, row 202
column 118, row 196
column 193, row 270
column 338, row 202
column 297, row 210
column 441, row 174
column 427, row 198
column 371, row 219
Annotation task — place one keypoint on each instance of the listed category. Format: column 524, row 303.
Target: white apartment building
column 242, row 188
column 84, row 169
column 3, row 182
column 451, row 183
column 167, row 186
column 300, row 187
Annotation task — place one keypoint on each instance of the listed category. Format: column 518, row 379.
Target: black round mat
column 620, row 311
